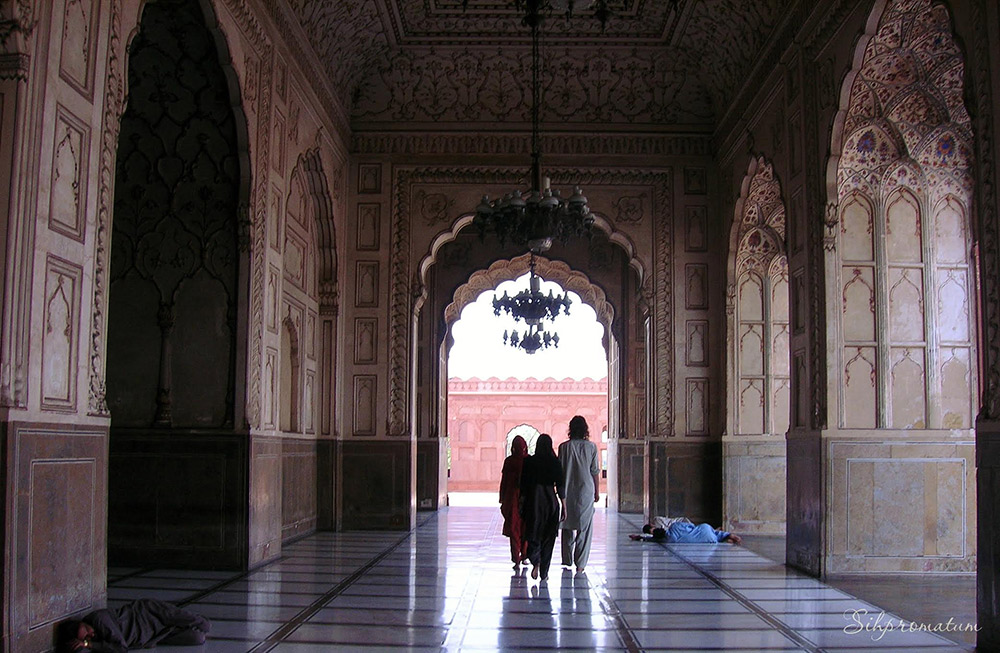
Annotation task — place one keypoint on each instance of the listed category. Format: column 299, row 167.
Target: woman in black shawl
column 541, row 507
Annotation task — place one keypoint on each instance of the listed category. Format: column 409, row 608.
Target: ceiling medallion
column 532, row 306
column 534, row 221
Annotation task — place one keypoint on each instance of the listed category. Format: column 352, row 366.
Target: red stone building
column 481, row 414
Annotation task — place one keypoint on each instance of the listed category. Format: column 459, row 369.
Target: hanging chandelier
column 532, row 306
column 535, row 220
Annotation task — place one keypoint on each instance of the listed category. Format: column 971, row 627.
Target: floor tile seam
column 280, row 634
column 133, row 574
column 778, row 625
column 614, row 615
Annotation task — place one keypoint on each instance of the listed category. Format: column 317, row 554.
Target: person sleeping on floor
column 143, row 623
column 680, row 530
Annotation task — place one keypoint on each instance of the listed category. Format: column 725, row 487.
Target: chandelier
column 533, row 221
column 532, row 306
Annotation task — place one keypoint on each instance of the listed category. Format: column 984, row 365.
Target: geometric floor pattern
column 448, row 585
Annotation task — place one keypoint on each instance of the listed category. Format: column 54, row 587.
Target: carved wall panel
column 273, row 293
column 696, row 351
column 278, row 152
column 275, row 221
column 61, row 331
column 79, row 44
column 369, row 178
column 366, row 284
column 295, row 260
column 365, row 402
column 697, row 406
column 271, row 371
column 70, row 165
column 310, row 334
column 695, row 229
column 365, row 341
column 309, row 403
column 696, row 286
column 368, row 225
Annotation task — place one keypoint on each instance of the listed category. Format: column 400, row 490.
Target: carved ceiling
column 657, row 63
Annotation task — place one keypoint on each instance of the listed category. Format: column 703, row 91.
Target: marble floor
column 449, row 586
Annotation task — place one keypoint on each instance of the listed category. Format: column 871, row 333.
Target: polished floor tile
column 449, row 586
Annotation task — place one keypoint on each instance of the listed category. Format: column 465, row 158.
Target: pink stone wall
column 482, row 411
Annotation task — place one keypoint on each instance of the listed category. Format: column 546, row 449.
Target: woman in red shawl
column 510, row 495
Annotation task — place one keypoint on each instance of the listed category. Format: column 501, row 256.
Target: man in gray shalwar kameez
column 579, row 491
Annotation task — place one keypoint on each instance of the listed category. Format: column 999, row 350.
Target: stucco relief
column 648, row 145
column 605, row 85
column 408, row 49
column 17, row 23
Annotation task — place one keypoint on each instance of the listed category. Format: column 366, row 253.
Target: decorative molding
column 666, row 145
column 14, row 66
column 114, row 104
column 258, row 252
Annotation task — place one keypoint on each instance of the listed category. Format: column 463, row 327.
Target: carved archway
column 507, row 270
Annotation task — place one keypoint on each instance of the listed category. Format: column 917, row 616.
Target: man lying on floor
column 140, row 624
column 680, row 530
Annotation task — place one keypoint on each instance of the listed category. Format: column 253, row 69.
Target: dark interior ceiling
column 658, row 64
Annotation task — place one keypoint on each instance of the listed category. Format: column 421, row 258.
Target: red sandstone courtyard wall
column 482, row 411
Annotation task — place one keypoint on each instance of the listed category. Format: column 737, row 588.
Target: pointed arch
column 506, row 270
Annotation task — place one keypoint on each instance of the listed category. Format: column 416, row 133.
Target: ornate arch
column 243, row 94
column 506, row 270
column 600, row 222
column 406, row 276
